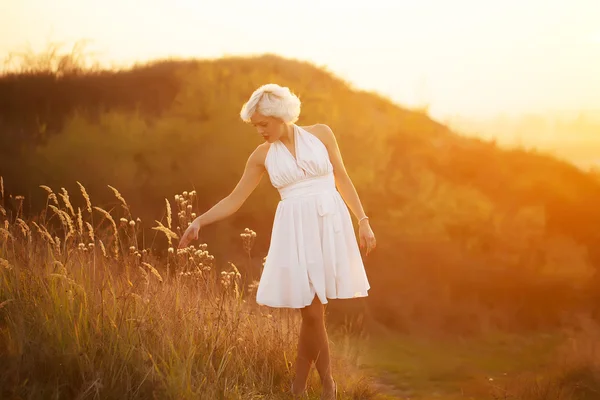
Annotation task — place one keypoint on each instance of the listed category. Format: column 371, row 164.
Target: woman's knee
column 313, row 314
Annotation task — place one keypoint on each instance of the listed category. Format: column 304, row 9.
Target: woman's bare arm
column 345, row 185
column 250, row 179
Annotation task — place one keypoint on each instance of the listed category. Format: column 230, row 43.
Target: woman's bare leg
column 313, row 346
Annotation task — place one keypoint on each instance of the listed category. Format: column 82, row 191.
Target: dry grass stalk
column 65, row 196
column 169, row 216
column 119, row 197
column 86, row 197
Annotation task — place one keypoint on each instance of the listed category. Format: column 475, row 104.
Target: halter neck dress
column 313, row 248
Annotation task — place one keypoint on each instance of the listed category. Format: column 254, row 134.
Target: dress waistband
column 309, row 186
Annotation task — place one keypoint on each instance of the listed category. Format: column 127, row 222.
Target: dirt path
column 389, row 390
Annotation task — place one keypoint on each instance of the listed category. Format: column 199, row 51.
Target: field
column 87, row 311
column 484, row 282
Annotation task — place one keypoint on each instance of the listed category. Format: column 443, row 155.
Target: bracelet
column 360, row 220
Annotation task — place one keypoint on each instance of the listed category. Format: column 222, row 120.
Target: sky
column 471, row 58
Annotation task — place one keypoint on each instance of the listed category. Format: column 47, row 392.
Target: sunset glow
column 410, row 209
column 464, row 57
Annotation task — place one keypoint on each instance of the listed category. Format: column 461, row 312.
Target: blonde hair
column 272, row 100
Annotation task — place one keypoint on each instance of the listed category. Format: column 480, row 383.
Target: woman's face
column 270, row 128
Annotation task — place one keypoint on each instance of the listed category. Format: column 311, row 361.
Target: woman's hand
column 191, row 233
column 366, row 236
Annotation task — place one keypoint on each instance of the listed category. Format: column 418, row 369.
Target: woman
column 314, row 255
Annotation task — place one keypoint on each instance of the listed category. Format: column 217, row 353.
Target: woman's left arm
column 345, row 186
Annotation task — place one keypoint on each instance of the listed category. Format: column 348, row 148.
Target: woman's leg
column 313, row 346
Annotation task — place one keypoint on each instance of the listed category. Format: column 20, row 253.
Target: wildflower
column 252, row 286
column 194, row 215
column 132, row 249
column 123, row 220
column 176, row 197
column 248, row 239
column 132, row 223
column 171, row 250
column 5, row 264
column 185, row 195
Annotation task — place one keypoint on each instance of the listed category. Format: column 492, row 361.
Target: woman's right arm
column 250, row 179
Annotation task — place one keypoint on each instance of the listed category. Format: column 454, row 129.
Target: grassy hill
column 468, row 231
column 473, row 239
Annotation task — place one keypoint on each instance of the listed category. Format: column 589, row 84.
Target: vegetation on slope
column 88, row 311
column 471, row 236
column 472, row 239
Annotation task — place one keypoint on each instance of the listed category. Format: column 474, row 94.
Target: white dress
column 313, row 249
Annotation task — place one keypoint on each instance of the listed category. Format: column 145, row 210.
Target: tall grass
column 86, row 311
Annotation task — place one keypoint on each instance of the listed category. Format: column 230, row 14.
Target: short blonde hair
column 272, row 100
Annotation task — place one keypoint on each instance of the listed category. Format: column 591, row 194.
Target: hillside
column 568, row 135
column 469, row 233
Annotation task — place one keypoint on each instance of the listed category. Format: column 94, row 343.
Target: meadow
column 484, row 283
column 87, row 311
